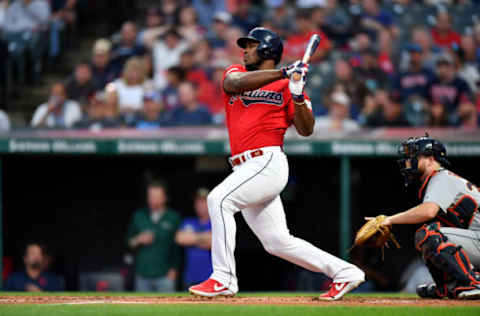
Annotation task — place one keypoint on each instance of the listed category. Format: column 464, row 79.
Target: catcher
column 449, row 240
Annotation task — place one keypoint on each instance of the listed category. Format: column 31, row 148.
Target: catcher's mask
column 410, row 149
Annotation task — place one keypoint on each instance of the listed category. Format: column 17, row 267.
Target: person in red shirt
column 261, row 102
column 297, row 43
column 442, row 34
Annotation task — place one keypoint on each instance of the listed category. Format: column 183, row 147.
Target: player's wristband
column 298, row 99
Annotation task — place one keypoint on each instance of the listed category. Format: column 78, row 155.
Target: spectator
column 166, row 53
column 374, row 19
column 245, row 16
column 203, row 53
column 354, row 88
column 190, row 111
column 33, row 278
column 189, row 29
column 338, row 115
column 103, row 70
column 4, row 122
column 337, row 22
column 209, row 91
column 63, row 14
column 128, row 46
column 195, row 234
column 206, row 10
column 296, row 44
column 80, row 85
column 279, row 18
column 154, row 27
column 370, row 73
column 25, row 21
column 175, row 75
column 443, row 35
column 95, row 118
column 217, row 36
column 381, row 110
column 231, row 51
column 359, row 44
column 58, row 111
column 415, row 80
column 193, row 72
column 150, row 117
column 385, row 54
column 111, row 112
column 448, row 89
column 170, row 10
column 131, row 85
column 152, row 233
column 467, row 67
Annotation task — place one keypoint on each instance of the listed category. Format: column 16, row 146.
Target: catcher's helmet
column 410, row 149
column 270, row 44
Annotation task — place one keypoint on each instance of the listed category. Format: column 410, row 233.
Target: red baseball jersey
column 258, row 118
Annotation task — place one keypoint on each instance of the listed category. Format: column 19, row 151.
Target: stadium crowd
column 380, row 63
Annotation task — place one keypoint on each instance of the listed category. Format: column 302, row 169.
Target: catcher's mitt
column 374, row 234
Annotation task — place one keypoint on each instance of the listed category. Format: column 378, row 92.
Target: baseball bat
column 309, row 51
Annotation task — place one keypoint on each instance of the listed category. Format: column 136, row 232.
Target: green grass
column 224, row 309
column 218, row 310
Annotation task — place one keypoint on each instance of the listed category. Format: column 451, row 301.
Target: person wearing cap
column 217, row 36
column 370, row 72
column 414, row 81
column 150, row 117
column 297, row 43
column 166, row 53
column 195, row 234
column 338, row 115
column 374, row 18
column 448, row 89
column 103, row 71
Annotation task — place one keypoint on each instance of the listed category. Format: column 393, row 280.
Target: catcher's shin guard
column 448, row 263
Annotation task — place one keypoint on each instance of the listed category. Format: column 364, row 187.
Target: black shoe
column 427, row 291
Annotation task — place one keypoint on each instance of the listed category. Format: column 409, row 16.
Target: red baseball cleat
column 210, row 288
column 338, row 290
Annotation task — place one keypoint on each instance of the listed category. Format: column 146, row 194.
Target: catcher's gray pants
column 468, row 239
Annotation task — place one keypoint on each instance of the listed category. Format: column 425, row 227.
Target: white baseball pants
column 253, row 188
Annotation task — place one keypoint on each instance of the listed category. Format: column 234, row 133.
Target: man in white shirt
column 338, row 115
column 57, row 112
column 166, row 53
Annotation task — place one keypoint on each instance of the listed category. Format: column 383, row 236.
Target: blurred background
column 112, row 133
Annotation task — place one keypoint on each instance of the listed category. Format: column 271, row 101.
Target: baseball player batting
column 261, row 102
column 449, row 242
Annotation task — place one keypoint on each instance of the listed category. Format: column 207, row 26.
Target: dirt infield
column 299, row 300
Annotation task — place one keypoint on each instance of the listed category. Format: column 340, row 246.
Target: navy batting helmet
column 270, row 45
column 410, row 149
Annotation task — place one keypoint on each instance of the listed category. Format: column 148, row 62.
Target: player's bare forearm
column 304, row 119
column 416, row 215
column 247, row 81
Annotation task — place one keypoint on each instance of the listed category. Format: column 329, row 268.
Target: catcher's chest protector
column 463, row 207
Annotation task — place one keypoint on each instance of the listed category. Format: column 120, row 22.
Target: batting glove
column 289, row 70
column 296, row 86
